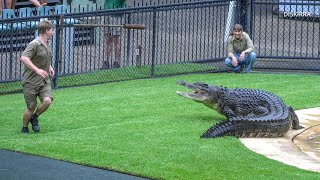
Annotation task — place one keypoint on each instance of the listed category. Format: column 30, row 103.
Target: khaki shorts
column 111, row 20
column 31, row 93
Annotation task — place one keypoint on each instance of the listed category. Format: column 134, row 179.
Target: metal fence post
column 128, row 42
column 11, row 56
column 154, row 31
column 242, row 13
column 249, row 16
column 56, row 63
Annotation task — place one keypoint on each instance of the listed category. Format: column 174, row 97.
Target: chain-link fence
column 286, row 34
column 179, row 38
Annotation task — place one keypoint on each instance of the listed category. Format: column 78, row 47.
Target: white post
column 230, row 20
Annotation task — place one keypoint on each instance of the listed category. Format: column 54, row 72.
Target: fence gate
column 286, row 34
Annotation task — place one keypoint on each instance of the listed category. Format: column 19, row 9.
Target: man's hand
column 242, row 55
column 42, row 73
column 234, row 62
column 51, row 71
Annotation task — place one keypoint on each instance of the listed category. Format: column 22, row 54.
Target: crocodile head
column 202, row 93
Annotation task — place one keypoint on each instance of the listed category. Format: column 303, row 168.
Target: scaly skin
column 249, row 112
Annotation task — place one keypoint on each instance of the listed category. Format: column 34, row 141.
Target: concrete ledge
column 299, row 148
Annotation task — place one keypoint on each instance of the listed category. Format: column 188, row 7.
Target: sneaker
column 25, row 130
column 116, row 64
column 35, row 123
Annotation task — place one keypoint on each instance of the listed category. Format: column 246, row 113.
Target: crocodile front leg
column 228, row 112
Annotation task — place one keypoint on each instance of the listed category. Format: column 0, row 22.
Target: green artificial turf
column 119, row 74
column 142, row 127
column 132, row 72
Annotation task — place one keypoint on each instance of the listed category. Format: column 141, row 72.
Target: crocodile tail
column 272, row 128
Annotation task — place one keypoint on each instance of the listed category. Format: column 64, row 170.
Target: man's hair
column 44, row 26
column 237, row 27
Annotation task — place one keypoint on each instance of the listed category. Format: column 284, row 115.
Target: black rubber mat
column 22, row 166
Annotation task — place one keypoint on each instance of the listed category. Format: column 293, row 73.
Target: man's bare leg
column 43, row 106
column 8, row 4
column 27, row 117
column 1, row 7
column 107, row 50
column 13, row 4
column 43, row 2
column 117, row 51
column 36, row 3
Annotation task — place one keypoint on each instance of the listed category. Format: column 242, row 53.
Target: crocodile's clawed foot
column 297, row 128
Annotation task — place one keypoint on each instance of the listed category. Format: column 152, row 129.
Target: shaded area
column 21, row 166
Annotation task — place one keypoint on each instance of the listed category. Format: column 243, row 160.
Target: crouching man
column 240, row 50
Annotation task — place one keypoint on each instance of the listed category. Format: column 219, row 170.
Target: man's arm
column 249, row 44
column 230, row 47
column 231, row 51
column 230, row 55
column 51, row 71
column 27, row 62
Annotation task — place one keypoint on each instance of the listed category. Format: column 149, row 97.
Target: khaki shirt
column 238, row 45
column 40, row 56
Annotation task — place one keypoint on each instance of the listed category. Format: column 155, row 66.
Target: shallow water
column 308, row 140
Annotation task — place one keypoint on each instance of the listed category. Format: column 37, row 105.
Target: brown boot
column 116, row 64
column 105, row 65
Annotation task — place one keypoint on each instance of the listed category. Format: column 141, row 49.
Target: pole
column 56, row 63
column 154, row 31
column 230, row 20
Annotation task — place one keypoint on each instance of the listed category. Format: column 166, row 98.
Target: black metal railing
column 286, row 34
column 179, row 38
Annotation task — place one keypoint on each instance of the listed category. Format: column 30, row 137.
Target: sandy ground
column 300, row 148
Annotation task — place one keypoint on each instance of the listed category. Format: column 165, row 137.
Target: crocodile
column 249, row 112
